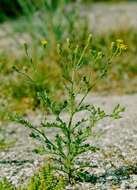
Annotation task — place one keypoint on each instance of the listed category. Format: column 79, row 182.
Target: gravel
column 116, row 162
column 105, row 17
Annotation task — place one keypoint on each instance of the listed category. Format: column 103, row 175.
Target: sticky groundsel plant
column 71, row 135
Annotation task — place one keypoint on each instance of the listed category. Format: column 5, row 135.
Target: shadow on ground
column 116, row 175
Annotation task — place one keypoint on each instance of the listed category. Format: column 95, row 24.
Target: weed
column 19, row 96
column 45, row 180
column 71, row 139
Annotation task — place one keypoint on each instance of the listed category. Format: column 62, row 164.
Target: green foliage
column 45, row 180
column 71, row 139
column 15, row 8
column 18, row 95
column 6, row 185
column 46, row 23
column 53, row 19
column 9, row 9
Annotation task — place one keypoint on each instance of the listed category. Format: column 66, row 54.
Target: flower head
column 44, row 43
column 118, row 46
column 121, row 45
column 119, row 41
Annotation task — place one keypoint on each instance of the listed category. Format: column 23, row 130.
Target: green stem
column 84, row 50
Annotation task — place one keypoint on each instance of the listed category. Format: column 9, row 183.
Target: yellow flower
column 44, row 43
column 119, row 41
column 121, row 45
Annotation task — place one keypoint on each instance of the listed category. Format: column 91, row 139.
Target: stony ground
column 105, row 17
column 116, row 162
